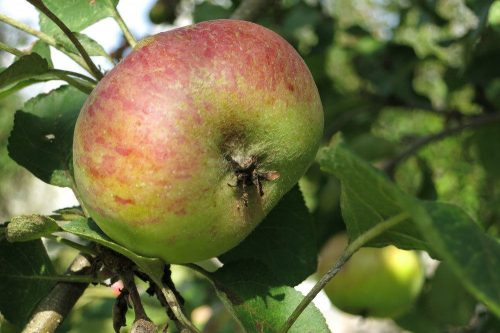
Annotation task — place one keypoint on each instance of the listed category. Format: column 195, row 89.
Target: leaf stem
column 176, row 308
column 127, row 277
column 45, row 10
column 75, row 245
column 121, row 23
column 45, row 38
column 12, row 50
column 26, row 28
column 348, row 252
column 60, row 278
column 81, row 85
column 75, row 74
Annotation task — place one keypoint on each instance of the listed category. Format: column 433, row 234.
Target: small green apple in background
column 375, row 282
column 186, row 145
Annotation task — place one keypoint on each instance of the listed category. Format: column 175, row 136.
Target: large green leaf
column 471, row 254
column 206, row 11
column 26, row 70
column 259, row 303
column 22, row 268
column 486, row 140
column 42, row 137
column 368, row 198
column 284, row 241
column 76, row 14
column 443, row 303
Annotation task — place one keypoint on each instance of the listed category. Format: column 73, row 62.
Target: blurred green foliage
column 391, row 73
column 10, row 172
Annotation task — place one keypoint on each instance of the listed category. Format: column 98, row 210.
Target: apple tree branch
column 52, row 310
column 474, row 122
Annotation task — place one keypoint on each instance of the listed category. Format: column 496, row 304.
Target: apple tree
column 402, row 98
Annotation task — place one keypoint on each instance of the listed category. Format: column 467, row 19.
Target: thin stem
column 26, row 28
column 59, row 278
column 348, row 252
column 424, row 141
column 45, row 38
column 176, row 308
column 78, row 75
column 93, row 68
column 81, row 85
column 123, row 26
column 75, row 245
column 81, row 82
column 128, row 280
column 12, row 50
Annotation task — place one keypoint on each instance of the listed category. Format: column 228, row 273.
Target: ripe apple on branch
column 191, row 140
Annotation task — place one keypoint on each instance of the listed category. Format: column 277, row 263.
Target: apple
column 375, row 282
column 185, row 146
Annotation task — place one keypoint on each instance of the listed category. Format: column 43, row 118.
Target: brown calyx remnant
column 248, row 174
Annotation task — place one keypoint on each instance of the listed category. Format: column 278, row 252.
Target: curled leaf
column 29, row 227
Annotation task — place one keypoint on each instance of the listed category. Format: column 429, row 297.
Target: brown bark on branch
column 52, row 310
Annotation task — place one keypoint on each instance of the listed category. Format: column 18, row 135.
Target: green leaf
column 443, row 303
column 372, row 147
column 22, row 266
column 92, row 47
column 30, row 227
column 43, row 50
column 26, row 70
column 250, row 291
column 368, row 198
column 42, row 137
column 298, row 17
column 284, row 241
column 88, row 229
column 76, row 14
column 472, row 255
column 486, row 140
column 206, row 11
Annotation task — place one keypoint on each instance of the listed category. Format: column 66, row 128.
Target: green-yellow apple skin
column 375, row 282
column 154, row 141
